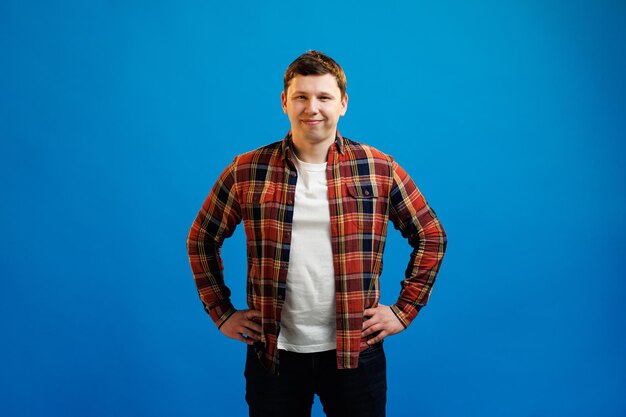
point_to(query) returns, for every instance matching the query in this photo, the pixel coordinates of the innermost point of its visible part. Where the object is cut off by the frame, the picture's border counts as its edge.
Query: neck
(312, 152)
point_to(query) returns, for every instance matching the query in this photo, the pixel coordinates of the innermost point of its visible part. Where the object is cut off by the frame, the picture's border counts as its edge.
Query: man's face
(314, 105)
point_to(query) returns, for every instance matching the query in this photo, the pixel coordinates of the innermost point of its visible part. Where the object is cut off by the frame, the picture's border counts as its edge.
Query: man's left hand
(382, 322)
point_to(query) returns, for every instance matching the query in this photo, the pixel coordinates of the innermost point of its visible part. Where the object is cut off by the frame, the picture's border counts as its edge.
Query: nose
(312, 106)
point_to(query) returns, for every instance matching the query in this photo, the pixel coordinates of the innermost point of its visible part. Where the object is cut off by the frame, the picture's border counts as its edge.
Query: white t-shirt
(308, 316)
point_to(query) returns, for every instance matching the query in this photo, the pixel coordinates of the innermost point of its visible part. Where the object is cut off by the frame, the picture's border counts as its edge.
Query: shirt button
(367, 192)
(293, 174)
(290, 202)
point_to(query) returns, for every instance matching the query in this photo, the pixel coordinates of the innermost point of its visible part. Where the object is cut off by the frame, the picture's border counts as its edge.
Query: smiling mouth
(311, 122)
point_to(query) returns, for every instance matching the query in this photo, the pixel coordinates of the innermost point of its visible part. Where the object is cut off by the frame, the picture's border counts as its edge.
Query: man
(315, 208)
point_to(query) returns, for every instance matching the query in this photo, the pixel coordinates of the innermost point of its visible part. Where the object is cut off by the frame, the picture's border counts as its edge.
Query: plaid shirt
(366, 188)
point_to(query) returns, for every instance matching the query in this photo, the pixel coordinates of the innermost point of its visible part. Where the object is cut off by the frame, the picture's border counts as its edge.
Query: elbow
(443, 236)
(192, 237)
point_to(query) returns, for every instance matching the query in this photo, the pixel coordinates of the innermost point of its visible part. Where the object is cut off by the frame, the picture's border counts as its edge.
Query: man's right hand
(240, 326)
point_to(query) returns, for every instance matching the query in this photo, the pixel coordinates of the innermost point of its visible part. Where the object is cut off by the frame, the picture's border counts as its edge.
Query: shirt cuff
(405, 312)
(220, 312)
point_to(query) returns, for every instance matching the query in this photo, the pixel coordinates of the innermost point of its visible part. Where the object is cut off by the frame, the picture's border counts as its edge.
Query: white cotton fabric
(308, 316)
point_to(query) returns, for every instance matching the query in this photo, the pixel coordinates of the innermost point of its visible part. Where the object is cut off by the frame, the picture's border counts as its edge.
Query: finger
(241, 337)
(246, 340)
(375, 328)
(371, 321)
(246, 334)
(366, 324)
(378, 338)
(250, 338)
(249, 327)
(252, 314)
(369, 312)
(370, 330)
(251, 334)
(373, 340)
(252, 325)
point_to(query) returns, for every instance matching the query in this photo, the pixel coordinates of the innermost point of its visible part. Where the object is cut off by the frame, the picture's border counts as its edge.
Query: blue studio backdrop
(116, 117)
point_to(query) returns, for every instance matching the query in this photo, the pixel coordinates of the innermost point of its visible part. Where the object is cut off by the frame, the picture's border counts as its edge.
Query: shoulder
(259, 155)
(361, 150)
(257, 165)
(363, 161)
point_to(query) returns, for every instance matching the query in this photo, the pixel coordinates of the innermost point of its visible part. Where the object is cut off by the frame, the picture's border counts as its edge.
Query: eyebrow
(321, 93)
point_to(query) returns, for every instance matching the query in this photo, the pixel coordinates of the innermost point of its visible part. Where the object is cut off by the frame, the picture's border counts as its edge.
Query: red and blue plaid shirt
(366, 188)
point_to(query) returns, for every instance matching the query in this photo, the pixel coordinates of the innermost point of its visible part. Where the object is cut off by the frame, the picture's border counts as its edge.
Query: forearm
(206, 267)
(425, 261)
(419, 224)
(215, 222)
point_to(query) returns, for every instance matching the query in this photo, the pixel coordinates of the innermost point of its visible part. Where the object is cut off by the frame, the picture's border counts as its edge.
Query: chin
(318, 137)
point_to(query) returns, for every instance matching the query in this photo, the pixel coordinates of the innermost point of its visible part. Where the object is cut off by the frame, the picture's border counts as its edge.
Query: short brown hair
(316, 63)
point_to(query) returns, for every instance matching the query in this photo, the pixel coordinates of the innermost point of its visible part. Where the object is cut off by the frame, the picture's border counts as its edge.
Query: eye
(325, 98)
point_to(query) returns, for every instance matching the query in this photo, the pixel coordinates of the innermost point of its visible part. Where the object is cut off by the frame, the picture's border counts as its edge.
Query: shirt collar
(287, 144)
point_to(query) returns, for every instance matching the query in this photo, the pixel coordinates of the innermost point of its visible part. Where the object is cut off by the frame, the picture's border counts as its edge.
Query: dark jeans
(360, 392)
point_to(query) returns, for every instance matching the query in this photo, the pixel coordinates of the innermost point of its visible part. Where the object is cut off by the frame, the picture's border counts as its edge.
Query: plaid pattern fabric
(366, 188)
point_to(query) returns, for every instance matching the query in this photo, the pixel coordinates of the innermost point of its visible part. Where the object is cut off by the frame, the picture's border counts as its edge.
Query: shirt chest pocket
(360, 205)
(259, 195)
(260, 203)
(362, 191)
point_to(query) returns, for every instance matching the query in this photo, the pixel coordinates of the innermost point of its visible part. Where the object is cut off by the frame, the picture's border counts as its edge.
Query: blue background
(117, 116)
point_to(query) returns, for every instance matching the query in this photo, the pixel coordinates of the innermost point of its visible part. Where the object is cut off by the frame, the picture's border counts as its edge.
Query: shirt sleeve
(216, 221)
(413, 217)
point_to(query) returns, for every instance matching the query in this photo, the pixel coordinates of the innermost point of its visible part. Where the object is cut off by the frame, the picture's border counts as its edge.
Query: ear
(283, 101)
(344, 104)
